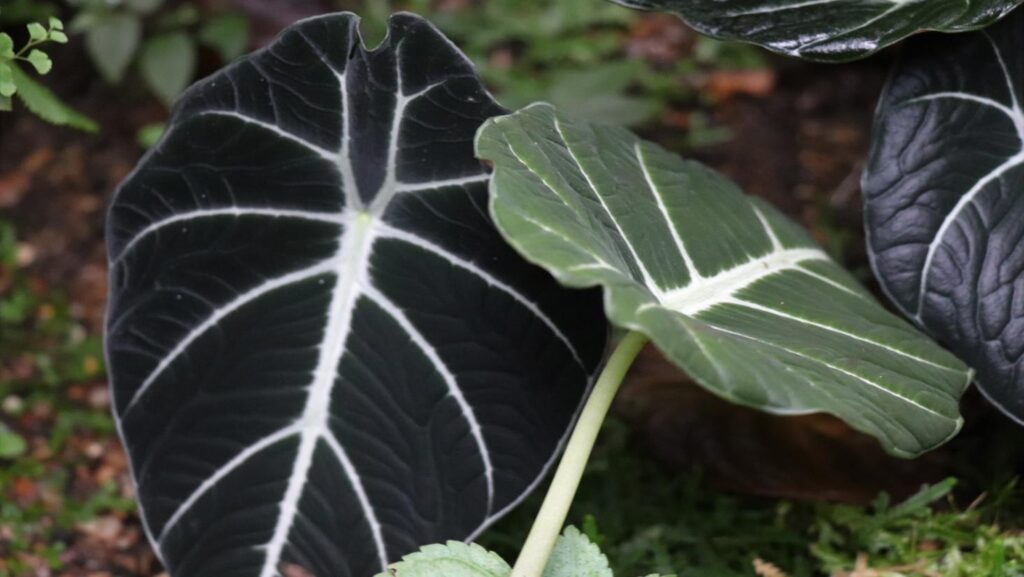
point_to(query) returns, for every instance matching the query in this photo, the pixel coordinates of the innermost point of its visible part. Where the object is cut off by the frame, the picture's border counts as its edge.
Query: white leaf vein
(184, 217)
(1016, 115)
(387, 231)
(840, 370)
(454, 390)
(648, 279)
(220, 313)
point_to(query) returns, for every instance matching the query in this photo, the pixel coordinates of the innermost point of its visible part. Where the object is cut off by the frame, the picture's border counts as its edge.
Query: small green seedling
(14, 81)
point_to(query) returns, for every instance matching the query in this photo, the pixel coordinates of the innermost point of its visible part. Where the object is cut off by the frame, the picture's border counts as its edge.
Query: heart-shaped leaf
(168, 63)
(322, 353)
(727, 287)
(828, 30)
(944, 192)
(111, 41)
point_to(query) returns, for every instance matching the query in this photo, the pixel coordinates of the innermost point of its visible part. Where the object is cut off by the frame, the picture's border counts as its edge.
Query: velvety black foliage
(322, 352)
(944, 189)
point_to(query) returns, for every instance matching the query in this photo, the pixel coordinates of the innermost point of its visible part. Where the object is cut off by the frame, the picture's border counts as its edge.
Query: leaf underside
(728, 288)
(828, 30)
(322, 353)
(944, 192)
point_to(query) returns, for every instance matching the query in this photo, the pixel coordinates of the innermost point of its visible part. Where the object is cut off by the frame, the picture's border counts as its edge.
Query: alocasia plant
(729, 289)
(828, 30)
(944, 209)
(941, 185)
(322, 353)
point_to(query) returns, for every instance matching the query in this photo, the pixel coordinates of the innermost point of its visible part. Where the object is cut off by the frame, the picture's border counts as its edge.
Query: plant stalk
(551, 517)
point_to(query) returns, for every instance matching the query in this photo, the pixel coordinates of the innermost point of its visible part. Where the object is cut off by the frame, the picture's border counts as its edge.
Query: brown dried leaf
(659, 38)
(726, 84)
(766, 569)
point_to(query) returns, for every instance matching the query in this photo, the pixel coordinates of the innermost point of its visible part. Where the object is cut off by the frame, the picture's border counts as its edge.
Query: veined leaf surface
(322, 353)
(727, 287)
(828, 30)
(944, 192)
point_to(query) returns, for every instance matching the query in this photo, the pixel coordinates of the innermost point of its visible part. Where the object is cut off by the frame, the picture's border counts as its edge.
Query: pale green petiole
(551, 518)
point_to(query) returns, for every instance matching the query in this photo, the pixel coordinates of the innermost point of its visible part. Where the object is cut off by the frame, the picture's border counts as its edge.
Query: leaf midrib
(704, 293)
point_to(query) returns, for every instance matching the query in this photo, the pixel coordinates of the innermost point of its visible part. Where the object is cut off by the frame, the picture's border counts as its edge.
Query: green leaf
(6, 46)
(5, 103)
(149, 134)
(227, 34)
(40, 61)
(168, 63)
(58, 37)
(828, 30)
(111, 40)
(185, 15)
(598, 93)
(7, 85)
(36, 32)
(575, 556)
(455, 559)
(727, 287)
(56, 23)
(45, 104)
(11, 444)
(84, 20)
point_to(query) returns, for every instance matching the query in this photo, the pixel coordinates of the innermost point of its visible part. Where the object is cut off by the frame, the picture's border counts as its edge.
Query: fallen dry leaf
(293, 570)
(17, 182)
(766, 569)
(861, 568)
(106, 529)
(660, 39)
(725, 84)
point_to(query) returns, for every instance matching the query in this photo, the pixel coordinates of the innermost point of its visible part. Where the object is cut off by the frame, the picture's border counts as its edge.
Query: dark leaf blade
(944, 203)
(828, 30)
(322, 352)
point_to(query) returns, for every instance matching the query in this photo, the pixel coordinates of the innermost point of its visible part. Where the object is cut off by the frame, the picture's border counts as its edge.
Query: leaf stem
(551, 517)
(20, 55)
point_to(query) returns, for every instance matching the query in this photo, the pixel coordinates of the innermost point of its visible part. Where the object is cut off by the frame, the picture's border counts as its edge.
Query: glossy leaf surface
(944, 192)
(728, 288)
(322, 353)
(829, 30)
